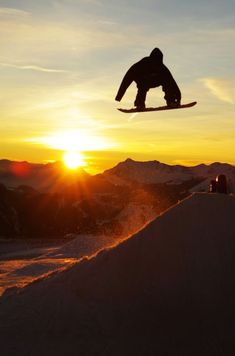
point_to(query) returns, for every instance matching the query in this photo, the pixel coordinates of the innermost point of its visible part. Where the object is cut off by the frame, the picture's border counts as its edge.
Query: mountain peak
(154, 172)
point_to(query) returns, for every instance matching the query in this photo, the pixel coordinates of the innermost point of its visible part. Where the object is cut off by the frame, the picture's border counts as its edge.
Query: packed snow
(168, 290)
(20, 268)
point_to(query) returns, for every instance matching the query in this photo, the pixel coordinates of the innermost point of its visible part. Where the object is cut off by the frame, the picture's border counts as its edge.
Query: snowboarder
(221, 184)
(150, 72)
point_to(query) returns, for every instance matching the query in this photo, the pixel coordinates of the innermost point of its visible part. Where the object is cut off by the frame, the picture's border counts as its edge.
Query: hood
(157, 55)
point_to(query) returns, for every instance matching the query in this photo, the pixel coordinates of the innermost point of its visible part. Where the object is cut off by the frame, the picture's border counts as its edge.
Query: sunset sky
(61, 63)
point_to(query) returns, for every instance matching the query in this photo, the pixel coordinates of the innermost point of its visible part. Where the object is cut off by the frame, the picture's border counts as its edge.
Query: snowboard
(159, 108)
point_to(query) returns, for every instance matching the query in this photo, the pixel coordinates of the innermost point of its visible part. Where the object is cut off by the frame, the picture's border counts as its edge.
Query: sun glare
(70, 144)
(73, 160)
(74, 140)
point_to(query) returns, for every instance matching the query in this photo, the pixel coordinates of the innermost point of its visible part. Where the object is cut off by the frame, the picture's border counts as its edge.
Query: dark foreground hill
(168, 290)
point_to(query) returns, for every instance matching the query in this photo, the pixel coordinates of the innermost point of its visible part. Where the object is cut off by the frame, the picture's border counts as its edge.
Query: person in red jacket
(150, 72)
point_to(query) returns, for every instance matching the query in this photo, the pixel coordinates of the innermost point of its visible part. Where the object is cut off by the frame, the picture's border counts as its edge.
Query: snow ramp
(168, 290)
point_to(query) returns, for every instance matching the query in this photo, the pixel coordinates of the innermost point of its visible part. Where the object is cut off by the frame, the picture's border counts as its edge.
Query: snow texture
(18, 270)
(168, 290)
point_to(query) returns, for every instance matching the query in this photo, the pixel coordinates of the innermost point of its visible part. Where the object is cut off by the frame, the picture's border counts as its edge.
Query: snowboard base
(159, 108)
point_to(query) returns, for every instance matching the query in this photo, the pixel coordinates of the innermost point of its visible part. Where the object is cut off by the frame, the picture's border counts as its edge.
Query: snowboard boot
(173, 103)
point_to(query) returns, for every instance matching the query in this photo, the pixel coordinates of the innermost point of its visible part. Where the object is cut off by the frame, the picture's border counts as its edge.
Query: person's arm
(126, 82)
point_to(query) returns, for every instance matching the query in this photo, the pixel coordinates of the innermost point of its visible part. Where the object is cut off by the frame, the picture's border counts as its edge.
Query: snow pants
(171, 96)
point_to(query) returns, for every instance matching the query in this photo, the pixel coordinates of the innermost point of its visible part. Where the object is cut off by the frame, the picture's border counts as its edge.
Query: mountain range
(43, 200)
(53, 177)
(153, 172)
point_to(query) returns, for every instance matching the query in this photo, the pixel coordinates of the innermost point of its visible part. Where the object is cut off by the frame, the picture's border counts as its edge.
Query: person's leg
(140, 97)
(172, 96)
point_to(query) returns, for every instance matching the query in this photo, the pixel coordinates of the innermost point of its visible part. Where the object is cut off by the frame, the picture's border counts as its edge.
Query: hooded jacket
(150, 72)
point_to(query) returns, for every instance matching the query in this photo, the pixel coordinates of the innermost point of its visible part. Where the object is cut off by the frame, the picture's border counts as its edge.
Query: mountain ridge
(44, 176)
(152, 172)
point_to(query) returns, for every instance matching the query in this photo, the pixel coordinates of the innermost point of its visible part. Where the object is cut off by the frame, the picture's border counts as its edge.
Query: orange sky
(61, 64)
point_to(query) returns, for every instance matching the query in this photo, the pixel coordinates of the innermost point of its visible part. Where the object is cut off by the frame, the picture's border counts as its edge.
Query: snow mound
(168, 290)
(134, 217)
(83, 245)
(20, 272)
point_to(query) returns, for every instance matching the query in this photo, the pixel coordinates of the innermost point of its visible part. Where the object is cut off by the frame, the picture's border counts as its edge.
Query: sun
(73, 159)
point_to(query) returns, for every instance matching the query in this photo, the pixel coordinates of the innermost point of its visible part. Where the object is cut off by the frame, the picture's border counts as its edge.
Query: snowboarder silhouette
(150, 72)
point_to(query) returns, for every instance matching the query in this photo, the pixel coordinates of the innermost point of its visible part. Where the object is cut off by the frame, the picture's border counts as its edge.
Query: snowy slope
(82, 245)
(134, 217)
(168, 290)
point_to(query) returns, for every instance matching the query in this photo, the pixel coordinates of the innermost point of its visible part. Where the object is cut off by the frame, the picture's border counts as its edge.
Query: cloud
(93, 2)
(221, 88)
(39, 38)
(107, 22)
(33, 67)
(9, 11)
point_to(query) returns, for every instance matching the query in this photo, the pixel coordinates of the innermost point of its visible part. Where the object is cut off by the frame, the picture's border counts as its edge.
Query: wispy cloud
(132, 116)
(221, 88)
(93, 2)
(107, 22)
(33, 67)
(9, 11)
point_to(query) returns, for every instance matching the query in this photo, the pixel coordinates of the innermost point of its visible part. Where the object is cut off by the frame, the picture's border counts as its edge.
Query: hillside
(168, 290)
